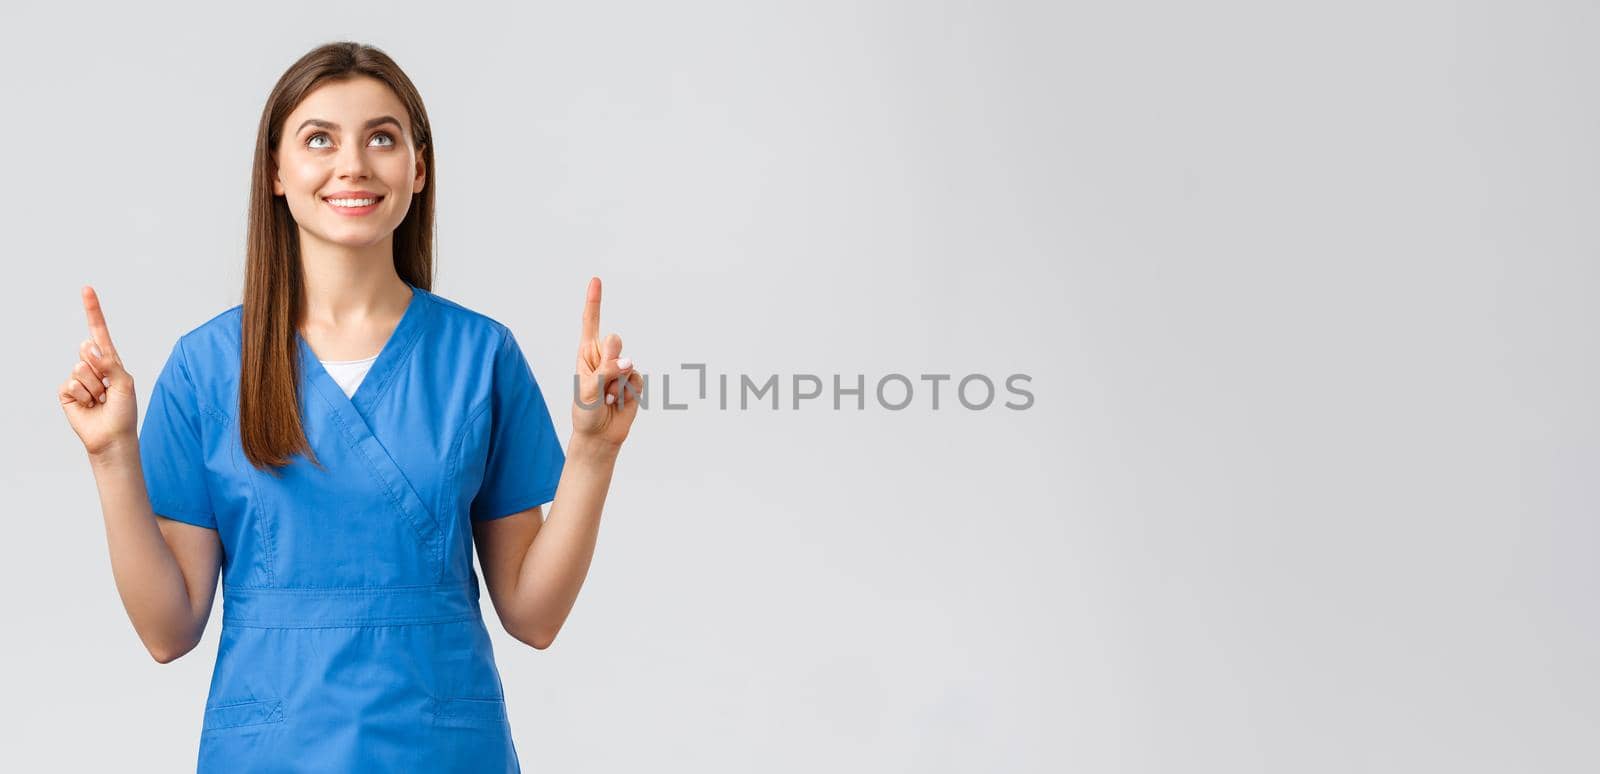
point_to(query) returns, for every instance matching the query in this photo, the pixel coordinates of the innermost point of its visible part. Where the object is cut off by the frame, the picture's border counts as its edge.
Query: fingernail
(96, 351)
(610, 399)
(105, 380)
(624, 363)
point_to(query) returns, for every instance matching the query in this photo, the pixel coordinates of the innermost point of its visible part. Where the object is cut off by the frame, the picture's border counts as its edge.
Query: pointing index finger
(591, 312)
(97, 321)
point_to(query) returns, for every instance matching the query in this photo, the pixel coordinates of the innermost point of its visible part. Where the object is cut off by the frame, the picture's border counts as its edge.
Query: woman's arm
(165, 570)
(534, 567)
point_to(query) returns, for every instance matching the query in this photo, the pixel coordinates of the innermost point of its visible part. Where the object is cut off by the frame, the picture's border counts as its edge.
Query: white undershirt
(348, 373)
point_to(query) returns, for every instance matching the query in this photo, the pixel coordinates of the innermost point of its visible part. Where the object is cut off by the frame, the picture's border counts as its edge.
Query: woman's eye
(321, 140)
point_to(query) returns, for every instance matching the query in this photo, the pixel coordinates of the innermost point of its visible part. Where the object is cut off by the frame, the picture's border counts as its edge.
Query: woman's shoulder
(216, 337)
(204, 362)
(453, 319)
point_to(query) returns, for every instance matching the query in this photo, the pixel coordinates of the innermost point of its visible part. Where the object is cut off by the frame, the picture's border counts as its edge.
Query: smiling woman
(360, 136)
(318, 164)
(341, 507)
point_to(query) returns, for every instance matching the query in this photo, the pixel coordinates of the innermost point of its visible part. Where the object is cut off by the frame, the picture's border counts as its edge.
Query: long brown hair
(269, 367)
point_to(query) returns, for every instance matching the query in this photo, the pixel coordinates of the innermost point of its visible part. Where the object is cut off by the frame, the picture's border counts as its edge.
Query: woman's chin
(353, 239)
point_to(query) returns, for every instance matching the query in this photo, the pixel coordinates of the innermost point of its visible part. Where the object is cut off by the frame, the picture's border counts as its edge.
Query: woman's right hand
(98, 397)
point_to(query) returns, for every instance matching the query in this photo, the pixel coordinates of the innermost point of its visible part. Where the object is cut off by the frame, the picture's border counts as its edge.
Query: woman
(340, 492)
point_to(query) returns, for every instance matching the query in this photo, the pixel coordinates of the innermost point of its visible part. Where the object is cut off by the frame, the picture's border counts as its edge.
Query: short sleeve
(524, 459)
(171, 446)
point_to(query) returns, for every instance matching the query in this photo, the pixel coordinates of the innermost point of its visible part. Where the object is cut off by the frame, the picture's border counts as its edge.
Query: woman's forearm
(557, 561)
(146, 572)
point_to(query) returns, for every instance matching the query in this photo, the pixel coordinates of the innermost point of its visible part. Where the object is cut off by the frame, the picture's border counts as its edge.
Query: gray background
(1305, 290)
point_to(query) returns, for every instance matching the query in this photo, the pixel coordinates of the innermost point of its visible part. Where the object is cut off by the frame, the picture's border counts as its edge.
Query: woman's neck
(352, 284)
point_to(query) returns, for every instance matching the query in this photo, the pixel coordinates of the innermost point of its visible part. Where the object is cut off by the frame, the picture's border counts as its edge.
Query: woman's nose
(352, 162)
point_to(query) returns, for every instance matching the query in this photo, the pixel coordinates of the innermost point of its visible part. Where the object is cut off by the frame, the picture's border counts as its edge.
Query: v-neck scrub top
(352, 637)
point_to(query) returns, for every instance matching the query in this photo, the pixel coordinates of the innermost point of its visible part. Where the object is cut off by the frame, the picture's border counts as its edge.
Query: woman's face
(348, 163)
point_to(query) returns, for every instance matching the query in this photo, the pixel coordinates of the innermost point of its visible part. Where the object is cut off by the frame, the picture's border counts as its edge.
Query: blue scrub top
(352, 638)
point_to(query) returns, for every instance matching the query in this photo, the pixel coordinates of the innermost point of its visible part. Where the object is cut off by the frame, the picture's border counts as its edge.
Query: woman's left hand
(602, 371)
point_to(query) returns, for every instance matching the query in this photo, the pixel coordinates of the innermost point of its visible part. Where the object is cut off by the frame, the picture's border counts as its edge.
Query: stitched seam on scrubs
(415, 333)
(518, 506)
(452, 483)
(259, 516)
(347, 590)
(356, 623)
(273, 714)
(503, 506)
(349, 607)
(209, 509)
(163, 508)
(255, 509)
(372, 470)
(188, 376)
(454, 472)
(475, 708)
(240, 703)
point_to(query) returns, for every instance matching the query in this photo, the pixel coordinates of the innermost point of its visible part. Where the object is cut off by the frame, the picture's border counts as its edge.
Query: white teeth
(352, 202)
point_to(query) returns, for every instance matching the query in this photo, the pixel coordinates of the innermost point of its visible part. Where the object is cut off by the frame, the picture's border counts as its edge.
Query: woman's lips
(354, 211)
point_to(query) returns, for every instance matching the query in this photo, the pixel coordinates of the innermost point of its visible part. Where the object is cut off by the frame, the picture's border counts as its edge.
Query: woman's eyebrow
(321, 124)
